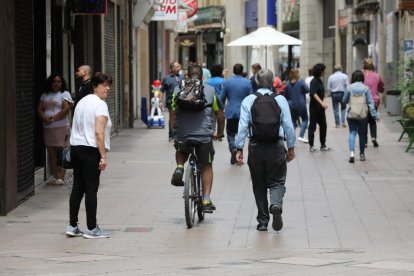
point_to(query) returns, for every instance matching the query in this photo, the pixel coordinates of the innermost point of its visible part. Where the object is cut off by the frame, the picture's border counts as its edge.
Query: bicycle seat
(192, 143)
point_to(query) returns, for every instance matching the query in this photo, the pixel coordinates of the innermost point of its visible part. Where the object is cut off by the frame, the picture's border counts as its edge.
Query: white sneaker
(96, 233)
(303, 140)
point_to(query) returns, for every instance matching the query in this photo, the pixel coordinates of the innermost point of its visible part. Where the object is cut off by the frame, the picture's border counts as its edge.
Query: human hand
(217, 136)
(239, 158)
(102, 164)
(325, 106)
(47, 120)
(290, 155)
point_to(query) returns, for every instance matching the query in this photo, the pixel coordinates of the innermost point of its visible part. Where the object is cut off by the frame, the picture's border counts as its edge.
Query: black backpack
(265, 118)
(191, 96)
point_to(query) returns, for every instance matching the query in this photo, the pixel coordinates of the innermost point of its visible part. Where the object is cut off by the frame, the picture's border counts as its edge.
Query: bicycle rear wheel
(190, 206)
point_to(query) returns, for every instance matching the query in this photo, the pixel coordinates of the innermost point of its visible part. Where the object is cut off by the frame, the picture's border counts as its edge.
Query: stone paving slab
(339, 218)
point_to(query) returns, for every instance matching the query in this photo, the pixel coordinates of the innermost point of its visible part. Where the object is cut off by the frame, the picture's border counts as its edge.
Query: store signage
(166, 10)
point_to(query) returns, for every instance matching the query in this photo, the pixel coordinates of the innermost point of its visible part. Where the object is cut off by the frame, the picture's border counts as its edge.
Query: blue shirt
(235, 89)
(217, 83)
(338, 82)
(169, 83)
(295, 93)
(358, 88)
(286, 125)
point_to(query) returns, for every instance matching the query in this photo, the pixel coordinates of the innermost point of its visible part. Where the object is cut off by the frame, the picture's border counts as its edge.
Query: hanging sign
(166, 10)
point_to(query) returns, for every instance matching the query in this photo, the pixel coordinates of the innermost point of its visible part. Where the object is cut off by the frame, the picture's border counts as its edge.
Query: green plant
(405, 83)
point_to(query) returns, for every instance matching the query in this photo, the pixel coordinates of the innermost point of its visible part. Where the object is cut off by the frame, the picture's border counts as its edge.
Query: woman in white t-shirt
(90, 140)
(53, 108)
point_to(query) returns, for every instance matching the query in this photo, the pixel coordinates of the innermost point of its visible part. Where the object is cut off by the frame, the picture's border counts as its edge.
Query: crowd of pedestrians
(261, 108)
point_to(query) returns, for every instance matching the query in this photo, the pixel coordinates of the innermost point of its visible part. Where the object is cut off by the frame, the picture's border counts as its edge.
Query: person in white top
(53, 108)
(90, 140)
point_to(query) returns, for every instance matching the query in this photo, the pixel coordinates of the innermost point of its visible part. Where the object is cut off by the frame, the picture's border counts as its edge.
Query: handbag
(64, 158)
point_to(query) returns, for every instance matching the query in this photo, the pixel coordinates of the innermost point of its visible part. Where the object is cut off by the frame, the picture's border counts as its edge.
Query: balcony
(210, 17)
(366, 6)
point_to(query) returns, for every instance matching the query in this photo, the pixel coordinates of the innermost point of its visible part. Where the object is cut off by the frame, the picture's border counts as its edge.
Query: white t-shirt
(52, 104)
(83, 126)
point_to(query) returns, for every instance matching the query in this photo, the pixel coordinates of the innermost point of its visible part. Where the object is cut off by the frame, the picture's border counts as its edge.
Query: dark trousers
(86, 181)
(170, 134)
(317, 116)
(372, 125)
(267, 165)
(232, 127)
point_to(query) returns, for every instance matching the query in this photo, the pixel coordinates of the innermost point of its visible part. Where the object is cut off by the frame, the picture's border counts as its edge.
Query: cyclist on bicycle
(197, 126)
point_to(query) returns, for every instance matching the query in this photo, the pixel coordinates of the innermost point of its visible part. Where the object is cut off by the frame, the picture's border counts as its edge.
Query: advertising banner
(166, 10)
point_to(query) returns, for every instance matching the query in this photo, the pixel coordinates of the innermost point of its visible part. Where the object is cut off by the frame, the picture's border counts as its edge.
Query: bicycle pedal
(208, 211)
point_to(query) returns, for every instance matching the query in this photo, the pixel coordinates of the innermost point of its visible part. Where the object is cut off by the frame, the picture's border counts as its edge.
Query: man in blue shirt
(235, 89)
(169, 83)
(337, 84)
(267, 161)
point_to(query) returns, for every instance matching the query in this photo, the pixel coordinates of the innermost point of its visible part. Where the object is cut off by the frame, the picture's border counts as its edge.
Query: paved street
(339, 218)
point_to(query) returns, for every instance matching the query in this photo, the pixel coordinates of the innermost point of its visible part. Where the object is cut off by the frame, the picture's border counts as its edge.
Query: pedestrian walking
(295, 93)
(337, 84)
(255, 68)
(216, 79)
(374, 82)
(267, 155)
(53, 108)
(235, 89)
(84, 73)
(169, 83)
(206, 72)
(361, 105)
(317, 108)
(90, 140)
(198, 125)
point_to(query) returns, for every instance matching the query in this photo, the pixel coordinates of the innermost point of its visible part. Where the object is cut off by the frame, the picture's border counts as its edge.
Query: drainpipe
(131, 63)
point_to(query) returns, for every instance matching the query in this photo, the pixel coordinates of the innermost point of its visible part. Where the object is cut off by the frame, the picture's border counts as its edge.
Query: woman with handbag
(360, 105)
(90, 140)
(53, 108)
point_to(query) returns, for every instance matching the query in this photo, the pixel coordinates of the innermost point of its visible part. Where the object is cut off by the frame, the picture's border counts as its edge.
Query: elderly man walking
(265, 118)
(338, 83)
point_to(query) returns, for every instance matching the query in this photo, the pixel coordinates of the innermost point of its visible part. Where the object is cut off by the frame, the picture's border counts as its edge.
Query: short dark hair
(100, 78)
(357, 75)
(49, 80)
(238, 69)
(195, 71)
(318, 69)
(216, 70)
(172, 64)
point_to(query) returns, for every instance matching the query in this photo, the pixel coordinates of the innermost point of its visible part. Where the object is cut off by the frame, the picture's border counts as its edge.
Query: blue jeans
(301, 112)
(360, 127)
(336, 100)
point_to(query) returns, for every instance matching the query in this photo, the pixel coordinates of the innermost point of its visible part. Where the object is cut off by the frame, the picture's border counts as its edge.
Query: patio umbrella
(265, 36)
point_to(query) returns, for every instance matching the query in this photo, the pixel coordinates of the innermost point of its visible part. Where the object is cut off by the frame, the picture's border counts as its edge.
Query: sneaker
(375, 143)
(73, 231)
(325, 148)
(362, 157)
(352, 159)
(337, 126)
(313, 149)
(303, 140)
(96, 233)
(233, 157)
(59, 182)
(208, 206)
(277, 222)
(343, 125)
(177, 177)
(261, 227)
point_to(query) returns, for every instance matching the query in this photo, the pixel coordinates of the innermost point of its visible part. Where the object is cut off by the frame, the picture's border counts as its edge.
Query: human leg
(54, 169)
(256, 162)
(312, 125)
(335, 102)
(322, 128)
(181, 156)
(362, 133)
(343, 110)
(78, 188)
(304, 116)
(276, 173)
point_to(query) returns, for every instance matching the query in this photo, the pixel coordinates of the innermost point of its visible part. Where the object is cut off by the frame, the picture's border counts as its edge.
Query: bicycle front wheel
(190, 206)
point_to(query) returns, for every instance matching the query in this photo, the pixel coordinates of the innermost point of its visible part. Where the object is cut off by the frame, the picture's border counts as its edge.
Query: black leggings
(86, 181)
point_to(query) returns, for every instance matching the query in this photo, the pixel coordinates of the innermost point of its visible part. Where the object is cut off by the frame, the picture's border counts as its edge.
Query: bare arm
(63, 113)
(220, 124)
(100, 123)
(41, 113)
(316, 97)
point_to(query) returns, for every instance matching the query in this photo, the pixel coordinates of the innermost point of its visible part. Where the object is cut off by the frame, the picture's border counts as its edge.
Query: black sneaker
(277, 222)
(362, 157)
(325, 148)
(233, 157)
(208, 206)
(352, 159)
(261, 227)
(375, 143)
(177, 177)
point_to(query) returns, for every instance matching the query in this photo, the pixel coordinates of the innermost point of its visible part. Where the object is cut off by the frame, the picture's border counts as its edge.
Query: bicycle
(193, 193)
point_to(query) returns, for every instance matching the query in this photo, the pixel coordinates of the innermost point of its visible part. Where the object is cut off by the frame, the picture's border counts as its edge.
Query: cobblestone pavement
(339, 218)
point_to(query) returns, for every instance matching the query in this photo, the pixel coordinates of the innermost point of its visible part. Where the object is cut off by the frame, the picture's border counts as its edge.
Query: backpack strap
(258, 95)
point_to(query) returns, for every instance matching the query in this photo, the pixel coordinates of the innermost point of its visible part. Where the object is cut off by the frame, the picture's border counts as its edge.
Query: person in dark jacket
(84, 72)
